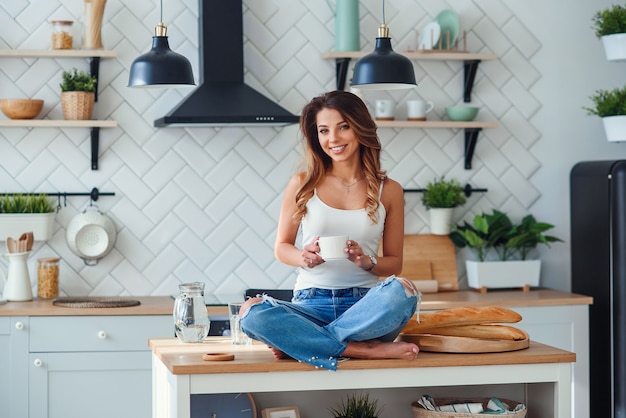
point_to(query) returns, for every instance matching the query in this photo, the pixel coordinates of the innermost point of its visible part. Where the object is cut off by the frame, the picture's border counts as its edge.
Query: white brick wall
(201, 203)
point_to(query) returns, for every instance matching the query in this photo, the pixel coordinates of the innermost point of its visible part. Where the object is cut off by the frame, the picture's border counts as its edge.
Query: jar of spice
(62, 34)
(48, 277)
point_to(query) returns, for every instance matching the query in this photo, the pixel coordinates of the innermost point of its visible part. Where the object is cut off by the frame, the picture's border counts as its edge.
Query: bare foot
(278, 355)
(378, 350)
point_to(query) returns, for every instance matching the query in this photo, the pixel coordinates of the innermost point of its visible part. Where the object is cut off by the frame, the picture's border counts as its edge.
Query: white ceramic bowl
(91, 235)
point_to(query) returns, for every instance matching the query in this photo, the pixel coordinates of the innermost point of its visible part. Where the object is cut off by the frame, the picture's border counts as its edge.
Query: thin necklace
(347, 186)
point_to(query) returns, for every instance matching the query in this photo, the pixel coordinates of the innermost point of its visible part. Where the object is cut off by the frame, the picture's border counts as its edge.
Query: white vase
(15, 224)
(440, 220)
(615, 128)
(615, 46)
(503, 274)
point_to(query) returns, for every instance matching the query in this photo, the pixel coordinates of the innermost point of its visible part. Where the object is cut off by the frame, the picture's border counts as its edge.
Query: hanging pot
(91, 235)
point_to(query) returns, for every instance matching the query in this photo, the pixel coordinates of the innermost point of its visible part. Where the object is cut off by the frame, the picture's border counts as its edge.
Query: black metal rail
(94, 195)
(467, 190)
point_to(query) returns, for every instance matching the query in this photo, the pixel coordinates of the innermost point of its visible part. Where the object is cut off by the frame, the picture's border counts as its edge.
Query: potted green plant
(26, 213)
(77, 94)
(512, 244)
(357, 406)
(610, 105)
(610, 26)
(440, 198)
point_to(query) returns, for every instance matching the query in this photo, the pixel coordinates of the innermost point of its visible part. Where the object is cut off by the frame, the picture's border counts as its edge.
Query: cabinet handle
(38, 362)
(19, 325)
(102, 334)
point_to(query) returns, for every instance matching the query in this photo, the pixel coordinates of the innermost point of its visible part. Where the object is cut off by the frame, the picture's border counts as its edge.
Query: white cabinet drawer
(97, 333)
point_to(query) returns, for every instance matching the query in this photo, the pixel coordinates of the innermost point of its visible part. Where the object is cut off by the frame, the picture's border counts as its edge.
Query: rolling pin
(426, 286)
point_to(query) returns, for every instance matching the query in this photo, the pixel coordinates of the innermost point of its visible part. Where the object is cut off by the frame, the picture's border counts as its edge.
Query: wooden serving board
(448, 344)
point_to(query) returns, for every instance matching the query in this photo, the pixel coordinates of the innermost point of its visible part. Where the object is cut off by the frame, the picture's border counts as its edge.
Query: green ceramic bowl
(461, 113)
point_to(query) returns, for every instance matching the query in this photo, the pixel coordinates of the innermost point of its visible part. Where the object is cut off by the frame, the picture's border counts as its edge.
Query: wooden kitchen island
(178, 371)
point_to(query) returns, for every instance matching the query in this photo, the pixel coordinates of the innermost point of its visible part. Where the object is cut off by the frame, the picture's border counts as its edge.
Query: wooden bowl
(21, 108)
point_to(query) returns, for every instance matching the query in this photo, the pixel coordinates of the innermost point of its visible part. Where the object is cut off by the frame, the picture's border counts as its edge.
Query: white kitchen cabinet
(78, 366)
(5, 366)
(565, 327)
(96, 366)
(13, 366)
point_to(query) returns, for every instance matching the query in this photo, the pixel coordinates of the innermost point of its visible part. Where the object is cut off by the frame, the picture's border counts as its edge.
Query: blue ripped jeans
(316, 326)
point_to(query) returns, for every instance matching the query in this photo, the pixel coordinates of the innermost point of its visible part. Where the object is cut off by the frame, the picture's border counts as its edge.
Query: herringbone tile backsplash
(202, 203)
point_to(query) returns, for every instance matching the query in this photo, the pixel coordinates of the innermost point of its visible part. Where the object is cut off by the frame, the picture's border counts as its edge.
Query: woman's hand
(310, 258)
(357, 256)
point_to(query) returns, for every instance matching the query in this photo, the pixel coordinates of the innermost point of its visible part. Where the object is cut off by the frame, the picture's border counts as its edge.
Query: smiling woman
(340, 307)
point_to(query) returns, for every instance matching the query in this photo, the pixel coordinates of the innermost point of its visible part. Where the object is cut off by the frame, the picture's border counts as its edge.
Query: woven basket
(77, 105)
(419, 412)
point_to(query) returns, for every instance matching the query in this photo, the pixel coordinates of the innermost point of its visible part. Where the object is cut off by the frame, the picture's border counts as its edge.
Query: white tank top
(323, 220)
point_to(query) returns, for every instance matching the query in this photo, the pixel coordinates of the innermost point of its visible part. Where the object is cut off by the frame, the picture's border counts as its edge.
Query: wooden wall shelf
(470, 66)
(94, 56)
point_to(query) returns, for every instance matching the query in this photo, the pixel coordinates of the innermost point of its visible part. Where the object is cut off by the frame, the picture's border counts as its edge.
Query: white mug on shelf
(384, 109)
(418, 109)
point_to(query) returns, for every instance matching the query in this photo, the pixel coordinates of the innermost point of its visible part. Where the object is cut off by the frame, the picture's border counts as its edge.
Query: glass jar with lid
(48, 277)
(62, 34)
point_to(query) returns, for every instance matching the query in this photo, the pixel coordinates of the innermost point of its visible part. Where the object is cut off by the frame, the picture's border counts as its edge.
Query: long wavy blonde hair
(317, 162)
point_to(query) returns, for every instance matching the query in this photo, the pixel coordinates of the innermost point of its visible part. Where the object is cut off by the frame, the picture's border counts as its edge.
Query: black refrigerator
(598, 243)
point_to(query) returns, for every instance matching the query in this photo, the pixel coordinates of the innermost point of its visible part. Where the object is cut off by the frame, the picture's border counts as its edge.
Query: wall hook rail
(94, 195)
(467, 190)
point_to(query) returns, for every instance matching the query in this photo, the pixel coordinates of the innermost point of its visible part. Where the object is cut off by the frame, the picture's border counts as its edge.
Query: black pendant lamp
(383, 69)
(160, 67)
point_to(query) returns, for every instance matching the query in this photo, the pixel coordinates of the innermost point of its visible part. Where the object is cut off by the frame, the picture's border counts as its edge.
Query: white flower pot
(503, 274)
(15, 224)
(615, 46)
(440, 220)
(615, 128)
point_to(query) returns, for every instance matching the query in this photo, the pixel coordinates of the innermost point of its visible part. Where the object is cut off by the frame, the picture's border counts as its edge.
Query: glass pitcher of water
(191, 318)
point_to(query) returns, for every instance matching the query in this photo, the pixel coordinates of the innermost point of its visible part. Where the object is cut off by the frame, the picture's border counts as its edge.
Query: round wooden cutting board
(448, 344)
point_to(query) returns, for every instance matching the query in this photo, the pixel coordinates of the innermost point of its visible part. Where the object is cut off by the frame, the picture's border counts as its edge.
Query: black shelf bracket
(95, 146)
(471, 136)
(467, 190)
(341, 72)
(94, 70)
(469, 72)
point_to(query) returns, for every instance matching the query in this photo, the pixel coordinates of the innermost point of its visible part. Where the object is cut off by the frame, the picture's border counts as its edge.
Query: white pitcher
(17, 287)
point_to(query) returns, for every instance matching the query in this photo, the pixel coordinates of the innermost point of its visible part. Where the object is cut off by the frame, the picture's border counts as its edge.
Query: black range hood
(222, 98)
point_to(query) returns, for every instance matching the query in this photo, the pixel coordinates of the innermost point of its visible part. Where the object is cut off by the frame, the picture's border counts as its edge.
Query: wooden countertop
(508, 298)
(163, 305)
(148, 305)
(185, 358)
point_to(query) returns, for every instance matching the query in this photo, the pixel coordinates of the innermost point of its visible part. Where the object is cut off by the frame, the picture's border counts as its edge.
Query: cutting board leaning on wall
(430, 261)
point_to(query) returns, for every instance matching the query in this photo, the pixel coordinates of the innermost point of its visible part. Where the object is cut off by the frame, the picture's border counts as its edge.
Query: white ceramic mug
(418, 109)
(385, 109)
(333, 247)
